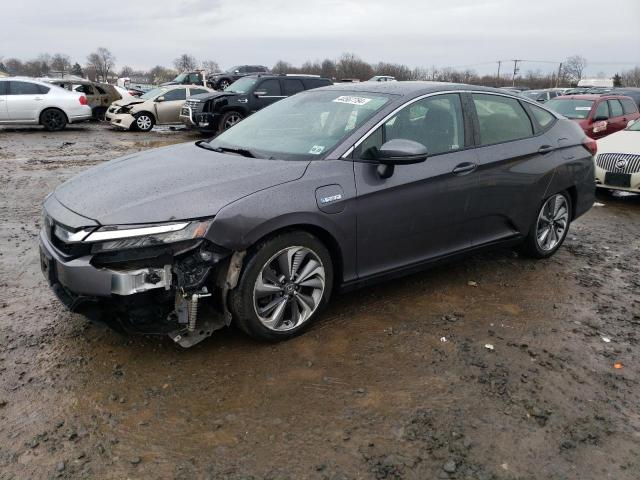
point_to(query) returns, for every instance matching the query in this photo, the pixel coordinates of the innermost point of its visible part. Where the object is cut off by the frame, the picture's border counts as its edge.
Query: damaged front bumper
(178, 289)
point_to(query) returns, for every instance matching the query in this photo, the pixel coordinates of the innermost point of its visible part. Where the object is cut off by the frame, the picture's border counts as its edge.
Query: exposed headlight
(119, 238)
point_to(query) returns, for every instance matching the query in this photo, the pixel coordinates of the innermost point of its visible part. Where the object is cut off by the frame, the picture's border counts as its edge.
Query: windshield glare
(153, 93)
(241, 86)
(571, 108)
(304, 126)
(180, 78)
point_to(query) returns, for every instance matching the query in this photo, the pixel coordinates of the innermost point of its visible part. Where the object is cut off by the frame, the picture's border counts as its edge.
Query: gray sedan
(328, 190)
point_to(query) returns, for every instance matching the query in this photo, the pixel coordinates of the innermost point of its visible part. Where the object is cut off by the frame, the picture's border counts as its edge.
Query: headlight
(118, 238)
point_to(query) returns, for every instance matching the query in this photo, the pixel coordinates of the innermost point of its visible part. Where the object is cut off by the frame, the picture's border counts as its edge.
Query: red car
(598, 115)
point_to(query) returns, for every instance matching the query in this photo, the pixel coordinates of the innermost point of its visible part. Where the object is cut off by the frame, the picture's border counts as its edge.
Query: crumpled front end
(153, 279)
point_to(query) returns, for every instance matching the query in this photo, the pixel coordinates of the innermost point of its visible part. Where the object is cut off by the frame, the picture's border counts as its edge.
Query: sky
(420, 33)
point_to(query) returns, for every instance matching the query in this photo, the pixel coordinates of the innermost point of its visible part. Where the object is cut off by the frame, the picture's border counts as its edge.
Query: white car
(32, 102)
(618, 160)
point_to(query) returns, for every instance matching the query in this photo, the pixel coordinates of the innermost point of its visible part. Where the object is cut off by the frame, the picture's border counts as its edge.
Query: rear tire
(222, 84)
(550, 227)
(144, 122)
(53, 119)
(285, 283)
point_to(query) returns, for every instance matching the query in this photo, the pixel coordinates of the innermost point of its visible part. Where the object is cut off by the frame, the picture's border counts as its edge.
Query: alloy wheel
(53, 119)
(289, 288)
(552, 222)
(224, 84)
(231, 121)
(143, 122)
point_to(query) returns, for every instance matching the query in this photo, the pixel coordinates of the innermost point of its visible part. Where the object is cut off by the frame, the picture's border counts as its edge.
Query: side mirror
(600, 118)
(259, 93)
(160, 98)
(399, 152)
(236, 71)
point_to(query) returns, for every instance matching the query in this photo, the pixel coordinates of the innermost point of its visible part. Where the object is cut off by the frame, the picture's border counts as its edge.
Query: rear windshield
(570, 107)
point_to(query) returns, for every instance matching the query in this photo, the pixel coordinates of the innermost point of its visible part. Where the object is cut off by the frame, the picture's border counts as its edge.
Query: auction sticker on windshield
(316, 150)
(352, 100)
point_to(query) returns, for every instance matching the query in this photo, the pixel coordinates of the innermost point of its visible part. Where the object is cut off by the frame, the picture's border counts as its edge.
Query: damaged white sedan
(156, 107)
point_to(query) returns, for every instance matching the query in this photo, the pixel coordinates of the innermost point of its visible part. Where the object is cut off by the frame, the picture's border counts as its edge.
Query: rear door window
(177, 94)
(3, 88)
(292, 86)
(616, 108)
(26, 88)
(543, 118)
(196, 91)
(501, 119)
(602, 111)
(271, 87)
(629, 106)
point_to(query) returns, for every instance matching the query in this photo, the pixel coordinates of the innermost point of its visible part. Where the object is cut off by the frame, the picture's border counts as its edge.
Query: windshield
(634, 127)
(304, 126)
(241, 86)
(531, 94)
(153, 93)
(180, 78)
(570, 107)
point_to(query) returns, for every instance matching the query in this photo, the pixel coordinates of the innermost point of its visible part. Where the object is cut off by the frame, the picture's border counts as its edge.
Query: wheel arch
(153, 115)
(52, 108)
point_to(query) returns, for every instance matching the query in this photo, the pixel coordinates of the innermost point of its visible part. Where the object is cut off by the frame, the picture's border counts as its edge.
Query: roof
(412, 88)
(589, 96)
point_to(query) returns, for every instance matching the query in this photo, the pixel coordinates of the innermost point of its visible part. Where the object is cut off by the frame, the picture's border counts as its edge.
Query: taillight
(83, 100)
(591, 145)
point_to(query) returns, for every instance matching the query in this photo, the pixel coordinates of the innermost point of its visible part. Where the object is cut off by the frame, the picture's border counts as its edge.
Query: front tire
(224, 83)
(285, 284)
(228, 120)
(144, 122)
(550, 227)
(53, 120)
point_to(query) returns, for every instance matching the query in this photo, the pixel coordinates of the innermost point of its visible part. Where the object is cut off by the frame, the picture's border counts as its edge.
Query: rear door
(617, 120)
(513, 161)
(599, 120)
(291, 86)
(24, 100)
(4, 114)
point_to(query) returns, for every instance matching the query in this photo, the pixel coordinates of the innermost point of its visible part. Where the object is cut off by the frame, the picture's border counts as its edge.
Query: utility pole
(515, 72)
(498, 80)
(559, 73)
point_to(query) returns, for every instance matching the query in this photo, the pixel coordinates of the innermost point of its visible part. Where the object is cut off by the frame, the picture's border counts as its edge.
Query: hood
(179, 182)
(211, 95)
(130, 100)
(625, 141)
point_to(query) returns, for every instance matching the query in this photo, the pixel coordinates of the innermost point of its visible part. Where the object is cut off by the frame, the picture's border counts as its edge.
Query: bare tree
(573, 68)
(211, 66)
(101, 61)
(185, 62)
(126, 71)
(400, 72)
(282, 67)
(61, 63)
(630, 78)
(352, 66)
(159, 74)
(328, 69)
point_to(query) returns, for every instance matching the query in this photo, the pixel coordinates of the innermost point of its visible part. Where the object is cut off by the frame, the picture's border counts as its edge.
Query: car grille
(619, 162)
(194, 106)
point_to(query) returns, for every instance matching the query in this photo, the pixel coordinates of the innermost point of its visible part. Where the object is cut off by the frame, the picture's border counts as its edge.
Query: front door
(267, 92)
(420, 211)
(617, 120)
(168, 111)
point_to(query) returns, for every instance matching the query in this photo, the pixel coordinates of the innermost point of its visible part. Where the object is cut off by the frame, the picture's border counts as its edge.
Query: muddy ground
(395, 381)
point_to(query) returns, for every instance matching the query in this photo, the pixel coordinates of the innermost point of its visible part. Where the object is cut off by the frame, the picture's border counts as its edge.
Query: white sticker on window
(352, 100)
(586, 109)
(316, 150)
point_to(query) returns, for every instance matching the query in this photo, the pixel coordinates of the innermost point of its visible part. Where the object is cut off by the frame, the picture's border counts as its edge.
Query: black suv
(217, 111)
(220, 81)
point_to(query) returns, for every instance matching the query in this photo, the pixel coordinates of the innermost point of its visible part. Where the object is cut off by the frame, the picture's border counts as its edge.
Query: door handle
(38, 99)
(545, 149)
(464, 168)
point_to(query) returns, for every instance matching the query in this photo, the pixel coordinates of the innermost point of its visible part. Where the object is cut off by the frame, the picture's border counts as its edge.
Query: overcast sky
(144, 33)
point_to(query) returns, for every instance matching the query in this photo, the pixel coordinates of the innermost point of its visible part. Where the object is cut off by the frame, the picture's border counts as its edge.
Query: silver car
(158, 106)
(32, 102)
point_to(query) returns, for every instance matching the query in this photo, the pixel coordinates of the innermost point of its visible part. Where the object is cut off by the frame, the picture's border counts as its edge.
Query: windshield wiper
(240, 151)
(204, 144)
